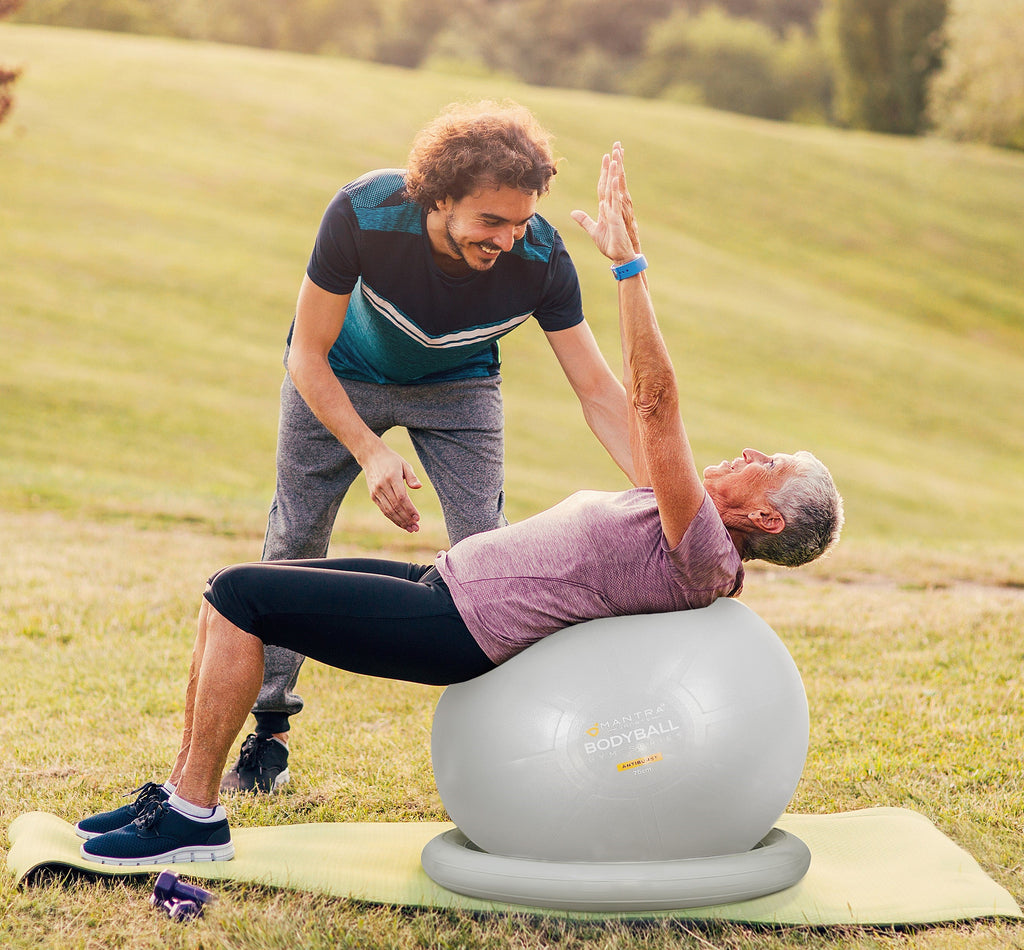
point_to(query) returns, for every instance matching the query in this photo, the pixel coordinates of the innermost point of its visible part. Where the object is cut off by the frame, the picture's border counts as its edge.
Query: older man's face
(746, 480)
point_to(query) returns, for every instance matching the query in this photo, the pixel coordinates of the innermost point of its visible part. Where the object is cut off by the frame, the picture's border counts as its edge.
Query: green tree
(884, 52)
(406, 30)
(308, 26)
(735, 64)
(119, 16)
(780, 15)
(580, 43)
(978, 95)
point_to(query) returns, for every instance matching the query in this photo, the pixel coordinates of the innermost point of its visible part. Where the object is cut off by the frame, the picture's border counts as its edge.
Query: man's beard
(457, 251)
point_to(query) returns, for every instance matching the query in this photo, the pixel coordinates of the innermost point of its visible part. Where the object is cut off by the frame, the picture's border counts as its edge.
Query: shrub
(978, 95)
(734, 64)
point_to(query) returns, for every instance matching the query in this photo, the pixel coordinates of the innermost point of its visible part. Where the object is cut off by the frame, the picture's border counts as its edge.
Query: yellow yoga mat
(879, 866)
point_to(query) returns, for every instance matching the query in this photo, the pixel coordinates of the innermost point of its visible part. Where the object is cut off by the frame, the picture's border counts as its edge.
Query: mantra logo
(627, 730)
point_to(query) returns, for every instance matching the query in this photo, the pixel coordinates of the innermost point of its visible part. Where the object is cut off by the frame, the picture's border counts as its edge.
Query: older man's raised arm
(662, 457)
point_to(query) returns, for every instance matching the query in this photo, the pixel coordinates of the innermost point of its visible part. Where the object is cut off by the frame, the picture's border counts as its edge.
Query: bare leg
(224, 680)
(190, 690)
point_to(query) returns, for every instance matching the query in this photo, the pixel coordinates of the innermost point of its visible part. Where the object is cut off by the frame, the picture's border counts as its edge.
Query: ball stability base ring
(778, 861)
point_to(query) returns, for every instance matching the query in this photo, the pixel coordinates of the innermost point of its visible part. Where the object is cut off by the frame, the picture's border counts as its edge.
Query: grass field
(857, 295)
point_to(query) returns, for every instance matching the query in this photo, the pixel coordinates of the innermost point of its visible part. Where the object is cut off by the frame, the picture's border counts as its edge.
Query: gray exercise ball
(641, 738)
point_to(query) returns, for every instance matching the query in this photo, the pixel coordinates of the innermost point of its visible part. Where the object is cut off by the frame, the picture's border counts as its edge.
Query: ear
(768, 520)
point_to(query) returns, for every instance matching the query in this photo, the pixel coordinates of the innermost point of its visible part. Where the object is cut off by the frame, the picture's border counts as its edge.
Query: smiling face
(740, 488)
(470, 234)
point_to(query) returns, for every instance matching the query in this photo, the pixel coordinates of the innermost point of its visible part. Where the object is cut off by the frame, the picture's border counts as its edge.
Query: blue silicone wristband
(630, 268)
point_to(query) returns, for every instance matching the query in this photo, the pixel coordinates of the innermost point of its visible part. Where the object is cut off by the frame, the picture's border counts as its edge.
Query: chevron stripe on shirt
(408, 321)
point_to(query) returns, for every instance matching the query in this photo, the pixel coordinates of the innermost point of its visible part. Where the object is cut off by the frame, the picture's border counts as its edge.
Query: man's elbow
(302, 354)
(655, 397)
(296, 364)
(302, 366)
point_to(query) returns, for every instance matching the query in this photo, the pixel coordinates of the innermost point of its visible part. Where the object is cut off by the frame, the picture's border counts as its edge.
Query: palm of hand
(614, 232)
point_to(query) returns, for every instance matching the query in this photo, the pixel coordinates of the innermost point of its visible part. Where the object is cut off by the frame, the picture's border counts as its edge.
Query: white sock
(169, 788)
(195, 812)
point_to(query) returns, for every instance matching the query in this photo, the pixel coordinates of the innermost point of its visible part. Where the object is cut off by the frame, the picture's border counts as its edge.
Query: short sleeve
(561, 305)
(706, 560)
(334, 264)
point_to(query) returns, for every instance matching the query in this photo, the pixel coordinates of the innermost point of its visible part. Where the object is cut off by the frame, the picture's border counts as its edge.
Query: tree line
(898, 66)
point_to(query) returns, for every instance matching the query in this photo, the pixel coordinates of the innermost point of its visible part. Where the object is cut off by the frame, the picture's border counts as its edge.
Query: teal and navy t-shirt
(407, 320)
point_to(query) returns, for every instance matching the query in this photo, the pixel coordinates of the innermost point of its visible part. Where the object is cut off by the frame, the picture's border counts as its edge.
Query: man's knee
(229, 593)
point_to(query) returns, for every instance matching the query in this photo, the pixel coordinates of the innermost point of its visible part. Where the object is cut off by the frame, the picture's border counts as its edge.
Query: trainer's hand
(387, 476)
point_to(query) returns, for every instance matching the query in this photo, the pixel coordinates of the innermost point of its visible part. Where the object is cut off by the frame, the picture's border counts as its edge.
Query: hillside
(858, 295)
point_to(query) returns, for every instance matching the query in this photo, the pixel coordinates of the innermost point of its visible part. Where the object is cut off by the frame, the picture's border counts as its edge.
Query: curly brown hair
(473, 144)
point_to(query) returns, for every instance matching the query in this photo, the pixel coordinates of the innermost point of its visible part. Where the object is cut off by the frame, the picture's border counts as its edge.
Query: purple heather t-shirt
(596, 554)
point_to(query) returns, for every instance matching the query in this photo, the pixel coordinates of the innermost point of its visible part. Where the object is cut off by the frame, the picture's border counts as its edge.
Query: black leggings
(381, 618)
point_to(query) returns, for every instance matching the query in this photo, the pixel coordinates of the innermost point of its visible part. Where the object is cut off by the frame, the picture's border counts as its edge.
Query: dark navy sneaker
(262, 766)
(161, 835)
(112, 820)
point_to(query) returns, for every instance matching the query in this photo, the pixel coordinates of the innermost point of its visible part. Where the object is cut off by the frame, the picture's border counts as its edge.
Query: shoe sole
(230, 786)
(93, 834)
(194, 854)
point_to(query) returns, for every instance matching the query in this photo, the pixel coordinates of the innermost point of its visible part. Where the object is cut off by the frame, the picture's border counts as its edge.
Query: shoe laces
(250, 756)
(144, 793)
(150, 813)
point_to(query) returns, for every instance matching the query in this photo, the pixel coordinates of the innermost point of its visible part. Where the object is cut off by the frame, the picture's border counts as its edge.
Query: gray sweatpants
(457, 430)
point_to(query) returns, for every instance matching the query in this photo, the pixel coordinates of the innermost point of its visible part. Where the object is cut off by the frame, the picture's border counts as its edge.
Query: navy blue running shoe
(112, 820)
(161, 835)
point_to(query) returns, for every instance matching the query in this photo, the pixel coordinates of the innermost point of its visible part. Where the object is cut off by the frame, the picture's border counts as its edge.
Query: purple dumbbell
(179, 900)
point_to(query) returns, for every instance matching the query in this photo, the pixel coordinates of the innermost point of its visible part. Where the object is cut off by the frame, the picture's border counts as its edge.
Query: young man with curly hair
(414, 276)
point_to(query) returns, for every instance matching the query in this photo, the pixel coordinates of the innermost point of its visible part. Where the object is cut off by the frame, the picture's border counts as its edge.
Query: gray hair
(813, 511)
